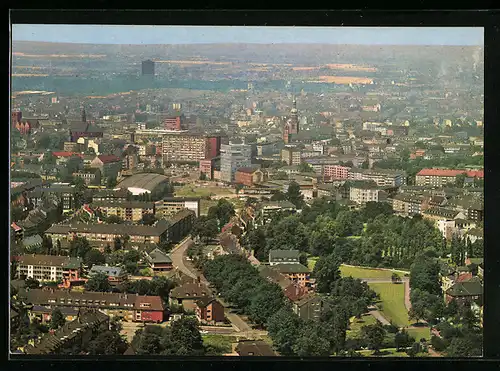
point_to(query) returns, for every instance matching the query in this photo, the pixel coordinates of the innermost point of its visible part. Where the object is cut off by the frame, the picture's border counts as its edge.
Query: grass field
(419, 333)
(360, 272)
(191, 190)
(220, 342)
(392, 302)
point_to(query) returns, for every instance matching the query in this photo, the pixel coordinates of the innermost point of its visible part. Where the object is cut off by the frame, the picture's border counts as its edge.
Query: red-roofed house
(149, 309)
(441, 177)
(17, 232)
(63, 157)
(109, 165)
(248, 176)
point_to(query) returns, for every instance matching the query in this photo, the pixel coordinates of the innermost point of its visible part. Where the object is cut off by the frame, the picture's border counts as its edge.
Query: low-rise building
(171, 205)
(116, 275)
(158, 260)
(361, 193)
(188, 293)
(109, 165)
(89, 176)
(381, 177)
(134, 308)
(249, 176)
(308, 307)
(284, 256)
(295, 272)
(126, 210)
(266, 210)
(441, 177)
(209, 310)
(49, 267)
(291, 156)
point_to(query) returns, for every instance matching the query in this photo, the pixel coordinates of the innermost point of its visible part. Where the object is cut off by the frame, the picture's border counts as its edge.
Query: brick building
(49, 267)
(248, 176)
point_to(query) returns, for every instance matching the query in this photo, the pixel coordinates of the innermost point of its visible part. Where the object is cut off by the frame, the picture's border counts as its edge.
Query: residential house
(249, 176)
(295, 272)
(114, 195)
(44, 313)
(467, 291)
(209, 311)
(126, 210)
(266, 210)
(187, 293)
(284, 256)
(407, 205)
(116, 275)
(292, 290)
(441, 177)
(474, 234)
(158, 260)
(49, 267)
(32, 242)
(91, 177)
(440, 213)
(172, 205)
(308, 307)
(79, 331)
(109, 165)
(134, 308)
(362, 192)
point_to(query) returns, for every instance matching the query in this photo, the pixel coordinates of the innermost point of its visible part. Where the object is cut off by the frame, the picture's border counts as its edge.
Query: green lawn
(419, 333)
(220, 342)
(191, 190)
(392, 302)
(360, 272)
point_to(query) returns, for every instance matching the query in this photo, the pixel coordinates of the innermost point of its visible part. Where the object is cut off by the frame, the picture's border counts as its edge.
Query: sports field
(361, 272)
(392, 302)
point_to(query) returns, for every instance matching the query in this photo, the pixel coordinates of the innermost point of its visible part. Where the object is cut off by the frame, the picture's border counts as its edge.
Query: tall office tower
(234, 156)
(148, 68)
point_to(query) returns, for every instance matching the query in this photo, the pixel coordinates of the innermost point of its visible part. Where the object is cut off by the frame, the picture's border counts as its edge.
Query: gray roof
(118, 229)
(147, 181)
(158, 256)
(33, 240)
(290, 268)
(284, 254)
(125, 204)
(109, 271)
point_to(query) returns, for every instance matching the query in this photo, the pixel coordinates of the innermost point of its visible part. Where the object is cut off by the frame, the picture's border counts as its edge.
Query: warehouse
(144, 183)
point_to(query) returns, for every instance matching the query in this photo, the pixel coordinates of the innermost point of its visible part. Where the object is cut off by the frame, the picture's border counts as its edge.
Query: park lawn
(220, 342)
(387, 352)
(419, 333)
(360, 272)
(392, 302)
(190, 190)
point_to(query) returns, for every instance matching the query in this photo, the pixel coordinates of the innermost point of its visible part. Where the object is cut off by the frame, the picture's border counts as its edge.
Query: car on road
(203, 332)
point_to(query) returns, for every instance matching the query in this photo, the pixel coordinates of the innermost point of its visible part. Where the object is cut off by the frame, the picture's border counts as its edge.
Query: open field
(189, 190)
(392, 302)
(220, 342)
(205, 205)
(345, 80)
(360, 272)
(350, 67)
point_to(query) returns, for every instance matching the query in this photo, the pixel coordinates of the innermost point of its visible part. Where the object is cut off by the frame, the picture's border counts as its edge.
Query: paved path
(178, 257)
(407, 295)
(379, 317)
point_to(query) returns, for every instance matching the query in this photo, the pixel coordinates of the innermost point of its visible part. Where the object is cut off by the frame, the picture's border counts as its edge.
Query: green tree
(79, 247)
(223, 211)
(403, 340)
(395, 278)
(283, 328)
(31, 283)
(111, 182)
(113, 219)
(304, 167)
(57, 319)
(294, 195)
(94, 257)
(312, 341)
(98, 282)
(326, 271)
(278, 196)
(148, 219)
(203, 176)
(118, 243)
(374, 336)
(108, 343)
(186, 335)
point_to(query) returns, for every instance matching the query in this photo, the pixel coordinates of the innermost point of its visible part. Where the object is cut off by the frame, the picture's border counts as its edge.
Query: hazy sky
(114, 34)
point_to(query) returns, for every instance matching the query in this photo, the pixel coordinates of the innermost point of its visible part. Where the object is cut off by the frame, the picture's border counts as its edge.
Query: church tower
(84, 115)
(294, 118)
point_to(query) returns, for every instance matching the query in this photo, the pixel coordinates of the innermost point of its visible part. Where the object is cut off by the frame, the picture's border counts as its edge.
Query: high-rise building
(148, 68)
(233, 157)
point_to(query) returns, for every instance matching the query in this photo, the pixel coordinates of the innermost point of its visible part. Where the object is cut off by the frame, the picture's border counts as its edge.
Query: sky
(130, 34)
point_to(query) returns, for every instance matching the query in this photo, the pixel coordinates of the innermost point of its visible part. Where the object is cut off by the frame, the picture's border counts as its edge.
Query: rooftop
(450, 173)
(290, 268)
(147, 181)
(50, 260)
(288, 254)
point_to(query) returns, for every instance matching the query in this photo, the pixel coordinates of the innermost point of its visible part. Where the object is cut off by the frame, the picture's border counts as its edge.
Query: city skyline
(133, 34)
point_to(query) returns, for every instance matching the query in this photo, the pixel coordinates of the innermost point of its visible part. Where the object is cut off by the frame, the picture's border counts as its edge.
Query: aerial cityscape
(246, 191)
